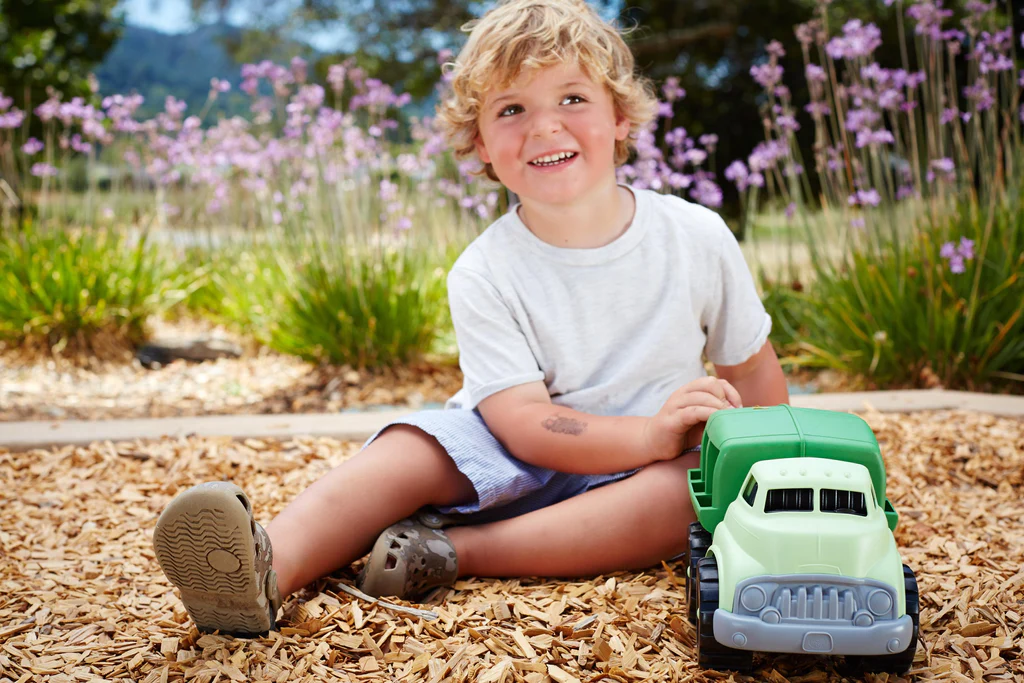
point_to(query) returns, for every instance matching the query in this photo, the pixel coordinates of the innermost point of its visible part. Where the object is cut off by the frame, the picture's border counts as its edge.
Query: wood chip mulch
(82, 598)
(34, 386)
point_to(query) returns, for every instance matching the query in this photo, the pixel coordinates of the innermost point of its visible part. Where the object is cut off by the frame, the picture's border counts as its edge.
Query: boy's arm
(536, 431)
(759, 379)
(559, 438)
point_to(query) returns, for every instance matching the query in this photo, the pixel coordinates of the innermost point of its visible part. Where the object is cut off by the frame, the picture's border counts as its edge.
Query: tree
(53, 43)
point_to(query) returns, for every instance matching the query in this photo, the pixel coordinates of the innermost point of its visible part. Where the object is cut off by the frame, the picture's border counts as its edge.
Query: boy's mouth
(553, 159)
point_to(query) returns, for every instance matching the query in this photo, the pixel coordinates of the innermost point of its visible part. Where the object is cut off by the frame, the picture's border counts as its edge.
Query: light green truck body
(801, 530)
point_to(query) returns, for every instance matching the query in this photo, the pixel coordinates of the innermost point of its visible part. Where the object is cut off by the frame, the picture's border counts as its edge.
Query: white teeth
(552, 158)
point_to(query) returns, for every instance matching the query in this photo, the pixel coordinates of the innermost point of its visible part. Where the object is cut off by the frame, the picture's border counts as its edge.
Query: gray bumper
(821, 637)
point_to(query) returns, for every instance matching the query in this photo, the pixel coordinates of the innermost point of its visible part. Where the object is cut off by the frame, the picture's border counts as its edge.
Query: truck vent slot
(816, 602)
(789, 500)
(844, 502)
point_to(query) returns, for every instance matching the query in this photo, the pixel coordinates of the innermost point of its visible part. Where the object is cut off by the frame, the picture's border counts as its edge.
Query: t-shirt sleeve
(734, 318)
(493, 351)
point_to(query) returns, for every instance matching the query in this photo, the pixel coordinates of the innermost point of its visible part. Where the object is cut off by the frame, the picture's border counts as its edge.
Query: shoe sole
(204, 544)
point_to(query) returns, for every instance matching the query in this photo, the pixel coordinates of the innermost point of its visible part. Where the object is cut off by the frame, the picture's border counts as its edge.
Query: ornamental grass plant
(912, 213)
(90, 290)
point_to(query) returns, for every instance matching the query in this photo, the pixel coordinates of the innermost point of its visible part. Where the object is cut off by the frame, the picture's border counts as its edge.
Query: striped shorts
(505, 486)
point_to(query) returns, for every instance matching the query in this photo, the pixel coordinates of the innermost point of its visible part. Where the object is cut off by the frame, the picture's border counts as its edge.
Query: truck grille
(815, 597)
(816, 602)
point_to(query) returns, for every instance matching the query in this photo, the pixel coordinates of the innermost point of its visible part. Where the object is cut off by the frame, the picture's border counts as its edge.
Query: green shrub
(901, 315)
(69, 286)
(366, 306)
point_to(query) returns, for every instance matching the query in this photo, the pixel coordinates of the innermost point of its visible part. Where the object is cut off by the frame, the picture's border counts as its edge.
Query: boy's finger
(701, 399)
(691, 415)
(731, 394)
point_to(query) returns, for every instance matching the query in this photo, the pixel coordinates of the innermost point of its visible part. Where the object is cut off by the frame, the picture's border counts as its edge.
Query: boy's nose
(545, 124)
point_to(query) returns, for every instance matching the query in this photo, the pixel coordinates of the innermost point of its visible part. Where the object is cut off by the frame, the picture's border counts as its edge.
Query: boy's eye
(509, 110)
(578, 98)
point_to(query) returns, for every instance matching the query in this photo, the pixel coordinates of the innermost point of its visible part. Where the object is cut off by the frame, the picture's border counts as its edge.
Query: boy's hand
(665, 434)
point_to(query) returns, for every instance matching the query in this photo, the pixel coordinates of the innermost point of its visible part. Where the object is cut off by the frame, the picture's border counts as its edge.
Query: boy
(580, 315)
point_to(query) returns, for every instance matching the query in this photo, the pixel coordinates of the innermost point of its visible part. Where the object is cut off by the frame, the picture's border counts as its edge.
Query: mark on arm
(564, 425)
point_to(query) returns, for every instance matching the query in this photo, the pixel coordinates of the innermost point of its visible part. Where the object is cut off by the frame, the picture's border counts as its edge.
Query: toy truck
(793, 549)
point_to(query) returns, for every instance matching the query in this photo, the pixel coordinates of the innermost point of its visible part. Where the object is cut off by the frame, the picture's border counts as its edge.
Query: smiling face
(550, 136)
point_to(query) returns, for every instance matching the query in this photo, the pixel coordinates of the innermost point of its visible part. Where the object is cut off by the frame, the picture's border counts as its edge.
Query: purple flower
(5, 102)
(857, 40)
(874, 137)
(32, 146)
(706, 192)
(945, 165)
(12, 119)
(671, 89)
(790, 210)
(767, 75)
(807, 32)
(815, 73)
(966, 248)
(788, 123)
(857, 223)
(43, 170)
(861, 119)
(665, 110)
(775, 49)
(868, 197)
(956, 264)
(708, 141)
(818, 109)
(336, 76)
(929, 17)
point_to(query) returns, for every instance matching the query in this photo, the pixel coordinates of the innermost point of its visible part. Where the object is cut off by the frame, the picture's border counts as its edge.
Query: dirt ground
(82, 598)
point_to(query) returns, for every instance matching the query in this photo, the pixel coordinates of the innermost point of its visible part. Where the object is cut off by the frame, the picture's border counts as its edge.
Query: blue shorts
(505, 486)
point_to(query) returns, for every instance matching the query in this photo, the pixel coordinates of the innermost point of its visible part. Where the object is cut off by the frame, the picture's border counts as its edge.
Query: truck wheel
(899, 662)
(710, 653)
(700, 541)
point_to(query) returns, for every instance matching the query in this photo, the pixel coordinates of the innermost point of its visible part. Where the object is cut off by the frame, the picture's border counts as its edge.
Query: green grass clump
(71, 287)
(329, 301)
(900, 314)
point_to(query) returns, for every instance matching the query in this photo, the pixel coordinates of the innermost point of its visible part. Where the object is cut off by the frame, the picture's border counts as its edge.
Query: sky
(168, 16)
(175, 16)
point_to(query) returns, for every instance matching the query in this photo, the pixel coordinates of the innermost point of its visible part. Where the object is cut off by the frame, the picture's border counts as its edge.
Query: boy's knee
(419, 453)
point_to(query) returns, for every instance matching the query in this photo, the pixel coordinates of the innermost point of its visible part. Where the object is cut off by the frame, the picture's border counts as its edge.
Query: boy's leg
(232, 573)
(336, 520)
(633, 523)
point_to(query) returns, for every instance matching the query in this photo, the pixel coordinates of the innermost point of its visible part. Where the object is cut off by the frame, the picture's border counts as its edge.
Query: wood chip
(82, 599)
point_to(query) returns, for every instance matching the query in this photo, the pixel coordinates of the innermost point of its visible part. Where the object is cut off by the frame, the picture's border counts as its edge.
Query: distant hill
(156, 65)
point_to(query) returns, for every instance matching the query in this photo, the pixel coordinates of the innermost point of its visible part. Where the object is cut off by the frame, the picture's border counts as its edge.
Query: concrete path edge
(21, 436)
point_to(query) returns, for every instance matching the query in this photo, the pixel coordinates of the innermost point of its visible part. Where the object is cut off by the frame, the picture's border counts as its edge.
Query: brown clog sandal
(408, 559)
(211, 548)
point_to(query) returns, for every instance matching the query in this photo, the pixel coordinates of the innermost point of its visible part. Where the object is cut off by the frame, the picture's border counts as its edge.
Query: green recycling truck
(793, 549)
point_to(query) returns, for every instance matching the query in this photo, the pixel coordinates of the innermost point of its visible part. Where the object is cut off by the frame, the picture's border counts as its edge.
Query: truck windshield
(789, 500)
(843, 502)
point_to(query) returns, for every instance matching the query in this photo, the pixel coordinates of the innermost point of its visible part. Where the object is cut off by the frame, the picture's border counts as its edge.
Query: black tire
(899, 662)
(700, 541)
(710, 653)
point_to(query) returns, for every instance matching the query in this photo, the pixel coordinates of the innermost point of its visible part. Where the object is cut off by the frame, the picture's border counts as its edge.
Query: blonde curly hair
(521, 36)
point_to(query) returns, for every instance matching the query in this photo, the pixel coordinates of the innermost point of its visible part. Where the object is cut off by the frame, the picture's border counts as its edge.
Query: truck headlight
(879, 602)
(753, 598)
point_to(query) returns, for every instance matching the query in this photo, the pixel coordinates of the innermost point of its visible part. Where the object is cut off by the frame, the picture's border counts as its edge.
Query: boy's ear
(621, 127)
(481, 150)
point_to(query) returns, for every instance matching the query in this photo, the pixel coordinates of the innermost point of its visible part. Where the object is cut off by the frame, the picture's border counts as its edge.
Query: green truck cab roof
(736, 439)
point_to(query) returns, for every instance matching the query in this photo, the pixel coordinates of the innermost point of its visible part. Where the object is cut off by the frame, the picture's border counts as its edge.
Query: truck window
(789, 500)
(843, 502)
(750, 491)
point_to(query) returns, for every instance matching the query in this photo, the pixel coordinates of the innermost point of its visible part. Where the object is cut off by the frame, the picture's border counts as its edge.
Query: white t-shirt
(612, 330)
